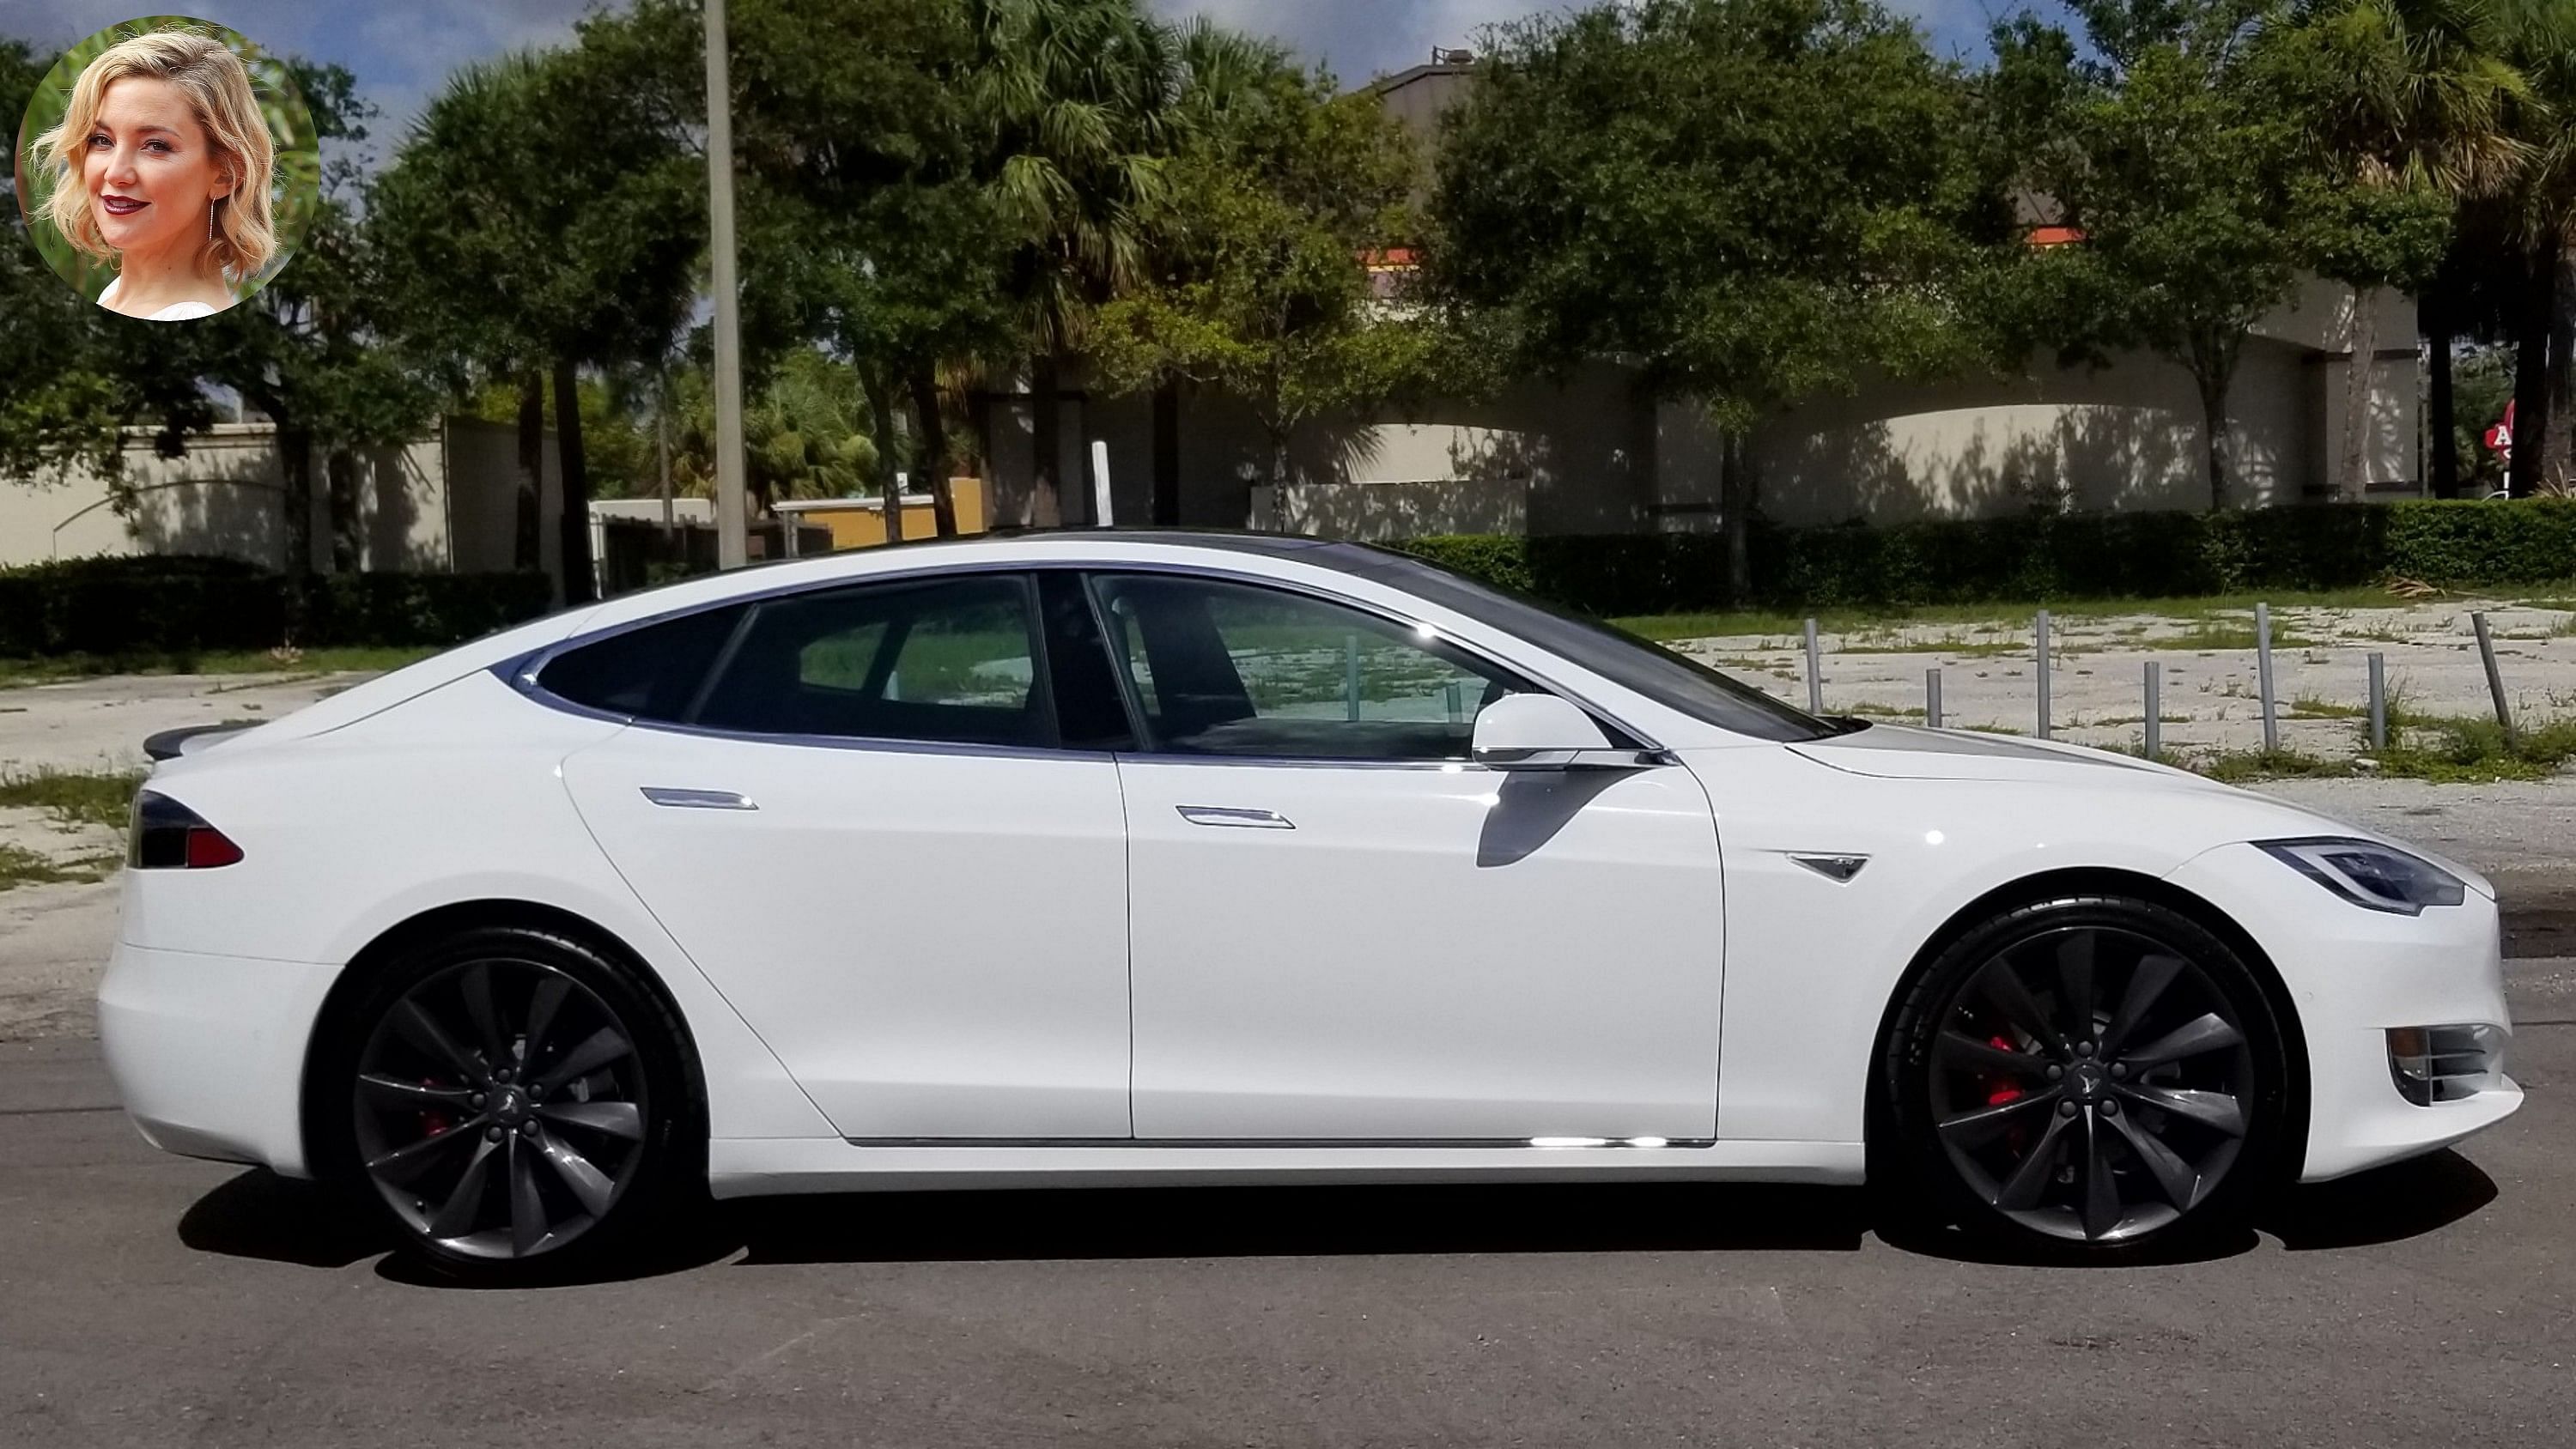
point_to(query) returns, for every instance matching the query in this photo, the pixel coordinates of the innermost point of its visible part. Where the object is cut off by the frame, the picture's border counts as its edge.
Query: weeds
(21, 866)
(104, 798)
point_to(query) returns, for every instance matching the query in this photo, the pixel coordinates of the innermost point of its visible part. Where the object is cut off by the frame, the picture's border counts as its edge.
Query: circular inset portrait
(166, 168)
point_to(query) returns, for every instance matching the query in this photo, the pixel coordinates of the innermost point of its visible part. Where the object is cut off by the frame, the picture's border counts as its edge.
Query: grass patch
(2235, 767)
(20, 866)
(54, 669)
(1885, 711)
(104, 798)
(2309, 706)
(2467, 748)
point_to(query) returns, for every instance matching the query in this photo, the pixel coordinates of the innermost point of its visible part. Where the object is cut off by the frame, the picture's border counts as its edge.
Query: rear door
(868, 828)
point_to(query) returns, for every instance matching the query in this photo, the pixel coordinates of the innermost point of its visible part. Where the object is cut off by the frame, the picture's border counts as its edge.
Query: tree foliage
(1280, 191)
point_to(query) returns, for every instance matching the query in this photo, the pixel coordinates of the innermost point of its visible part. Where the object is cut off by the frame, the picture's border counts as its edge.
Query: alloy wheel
(2091, 1084)
(500, 1108)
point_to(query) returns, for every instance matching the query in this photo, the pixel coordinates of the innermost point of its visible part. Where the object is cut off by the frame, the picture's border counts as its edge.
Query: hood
(1911, 752)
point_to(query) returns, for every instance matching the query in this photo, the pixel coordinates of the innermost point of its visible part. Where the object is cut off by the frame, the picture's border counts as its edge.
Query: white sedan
(1116, 858)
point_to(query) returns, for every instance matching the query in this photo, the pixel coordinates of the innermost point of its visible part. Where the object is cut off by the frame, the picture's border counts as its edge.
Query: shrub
(152, 605)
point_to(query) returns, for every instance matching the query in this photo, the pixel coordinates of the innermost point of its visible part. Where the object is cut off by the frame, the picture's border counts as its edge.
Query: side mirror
(1543, 732)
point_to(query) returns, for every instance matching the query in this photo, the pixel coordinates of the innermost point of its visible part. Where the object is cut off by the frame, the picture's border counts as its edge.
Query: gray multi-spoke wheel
(2094, 1072)
(508, 1095)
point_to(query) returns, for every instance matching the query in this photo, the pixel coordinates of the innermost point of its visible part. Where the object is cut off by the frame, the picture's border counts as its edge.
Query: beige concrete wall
(226, 495)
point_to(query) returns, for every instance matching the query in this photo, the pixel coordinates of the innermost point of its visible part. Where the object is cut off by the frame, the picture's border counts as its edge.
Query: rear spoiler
(171, 744)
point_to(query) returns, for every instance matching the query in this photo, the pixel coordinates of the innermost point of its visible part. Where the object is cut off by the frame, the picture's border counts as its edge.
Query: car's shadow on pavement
(260, 1215)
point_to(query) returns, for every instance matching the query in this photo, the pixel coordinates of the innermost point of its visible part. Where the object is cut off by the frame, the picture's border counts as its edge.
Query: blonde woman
(163, 162)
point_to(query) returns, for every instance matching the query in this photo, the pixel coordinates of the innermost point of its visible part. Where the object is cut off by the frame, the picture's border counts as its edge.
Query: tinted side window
(949, 662)
(1233, 669)
(649, 673)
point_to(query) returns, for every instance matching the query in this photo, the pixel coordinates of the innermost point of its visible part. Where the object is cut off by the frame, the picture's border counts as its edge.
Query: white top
(175, 312)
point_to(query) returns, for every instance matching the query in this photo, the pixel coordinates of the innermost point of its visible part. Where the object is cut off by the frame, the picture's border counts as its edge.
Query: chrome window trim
(521, 673)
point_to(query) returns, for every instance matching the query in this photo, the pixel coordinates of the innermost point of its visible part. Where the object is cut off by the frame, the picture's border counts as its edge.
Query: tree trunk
(934, 449)
(341, 469)
(2531, 412)
(881, 410)
(2444, 401)
(581, 579)
(1045, 506)
(1167, 453)
(2558, 447)
(1735, 514)
(2353, 471)
(532, 470)
(295, 459)
(2213, 430)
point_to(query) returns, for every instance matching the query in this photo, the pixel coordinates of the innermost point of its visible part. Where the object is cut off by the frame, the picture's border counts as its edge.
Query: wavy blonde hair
(218, 89)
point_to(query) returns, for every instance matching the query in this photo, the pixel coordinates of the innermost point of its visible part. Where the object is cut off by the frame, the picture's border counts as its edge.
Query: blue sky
(402, 49)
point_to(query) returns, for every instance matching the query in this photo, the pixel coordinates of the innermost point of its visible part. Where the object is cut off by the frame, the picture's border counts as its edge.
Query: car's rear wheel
(2090, 1075)
(512, 1101)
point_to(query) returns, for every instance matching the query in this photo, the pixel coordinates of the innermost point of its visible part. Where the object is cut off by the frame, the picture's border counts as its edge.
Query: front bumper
(207, 1052)
(2353, 975)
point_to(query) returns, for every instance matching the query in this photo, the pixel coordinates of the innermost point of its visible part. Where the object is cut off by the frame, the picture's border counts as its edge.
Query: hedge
(180, 605)
(2075, 556)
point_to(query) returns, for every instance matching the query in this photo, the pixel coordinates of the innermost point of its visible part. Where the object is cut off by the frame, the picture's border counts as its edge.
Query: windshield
(1658, 673)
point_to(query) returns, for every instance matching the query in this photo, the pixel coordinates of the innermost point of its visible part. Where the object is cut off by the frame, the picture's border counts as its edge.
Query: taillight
(170, 836)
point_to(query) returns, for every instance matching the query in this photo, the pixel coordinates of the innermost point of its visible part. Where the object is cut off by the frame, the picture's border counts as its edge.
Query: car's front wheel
(511, 1100)
(2091, 1074)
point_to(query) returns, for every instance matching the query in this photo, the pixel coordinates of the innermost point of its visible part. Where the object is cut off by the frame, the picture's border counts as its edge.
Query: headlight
(2368, 874)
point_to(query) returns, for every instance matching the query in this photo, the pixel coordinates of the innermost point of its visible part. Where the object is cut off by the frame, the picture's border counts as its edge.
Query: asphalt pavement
(146, 1300)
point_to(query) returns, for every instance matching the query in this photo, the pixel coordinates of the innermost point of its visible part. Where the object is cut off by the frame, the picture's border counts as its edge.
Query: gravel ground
(2209, 701)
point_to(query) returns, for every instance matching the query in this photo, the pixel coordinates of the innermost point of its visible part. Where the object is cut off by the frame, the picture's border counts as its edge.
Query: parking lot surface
(146, 1300)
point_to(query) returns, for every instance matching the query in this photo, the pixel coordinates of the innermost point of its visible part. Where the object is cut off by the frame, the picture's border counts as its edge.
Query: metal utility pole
(733, 547)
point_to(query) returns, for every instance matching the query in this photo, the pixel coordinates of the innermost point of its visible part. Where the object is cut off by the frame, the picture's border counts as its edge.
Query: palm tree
(1077, 97)
(2542, 44)
(2418, 97)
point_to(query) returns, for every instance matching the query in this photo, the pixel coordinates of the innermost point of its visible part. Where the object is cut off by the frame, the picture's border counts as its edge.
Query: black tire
(513, 1104)
(2092, 1077)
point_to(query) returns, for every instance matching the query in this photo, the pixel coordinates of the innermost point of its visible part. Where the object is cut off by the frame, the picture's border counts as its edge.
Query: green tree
(1754, 201)
(2540, 223)
(543, 217)
(870, 229)
(1075, 99)
(2189, 175)
(1279, 188)
(2406, 100)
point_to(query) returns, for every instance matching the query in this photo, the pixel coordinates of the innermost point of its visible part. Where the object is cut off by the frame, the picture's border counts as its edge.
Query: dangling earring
(210, 217)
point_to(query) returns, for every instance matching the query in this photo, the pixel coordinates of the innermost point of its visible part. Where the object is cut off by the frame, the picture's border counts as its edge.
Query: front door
(1341, 929)
(868, 836)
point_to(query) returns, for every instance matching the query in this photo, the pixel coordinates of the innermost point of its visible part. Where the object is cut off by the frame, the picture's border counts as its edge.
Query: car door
(866, 829)
(1342, 929)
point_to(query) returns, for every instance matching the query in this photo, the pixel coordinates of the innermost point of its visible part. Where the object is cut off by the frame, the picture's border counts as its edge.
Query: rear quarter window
(652, 672)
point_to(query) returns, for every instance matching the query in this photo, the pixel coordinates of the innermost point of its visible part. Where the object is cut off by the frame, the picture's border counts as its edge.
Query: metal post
(733, 546)
(662, 449)
(1457, 704)
(2155, 709)
(2043, 674)
(2378, 702)
(1815, 679)
(2263, 678)
(1351, 672)
(2495, 679)
(1099, 483)
(1932, 698)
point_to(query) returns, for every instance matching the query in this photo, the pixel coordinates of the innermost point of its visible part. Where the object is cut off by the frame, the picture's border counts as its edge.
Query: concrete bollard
(2495, 677)
(2043, 673)
(2263, 678)
(1815, 675)
(2155, 709)
(1932, 698)
(2378, 702)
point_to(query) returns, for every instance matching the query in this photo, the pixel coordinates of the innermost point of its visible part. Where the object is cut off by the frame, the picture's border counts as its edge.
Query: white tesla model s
(1133, 857)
